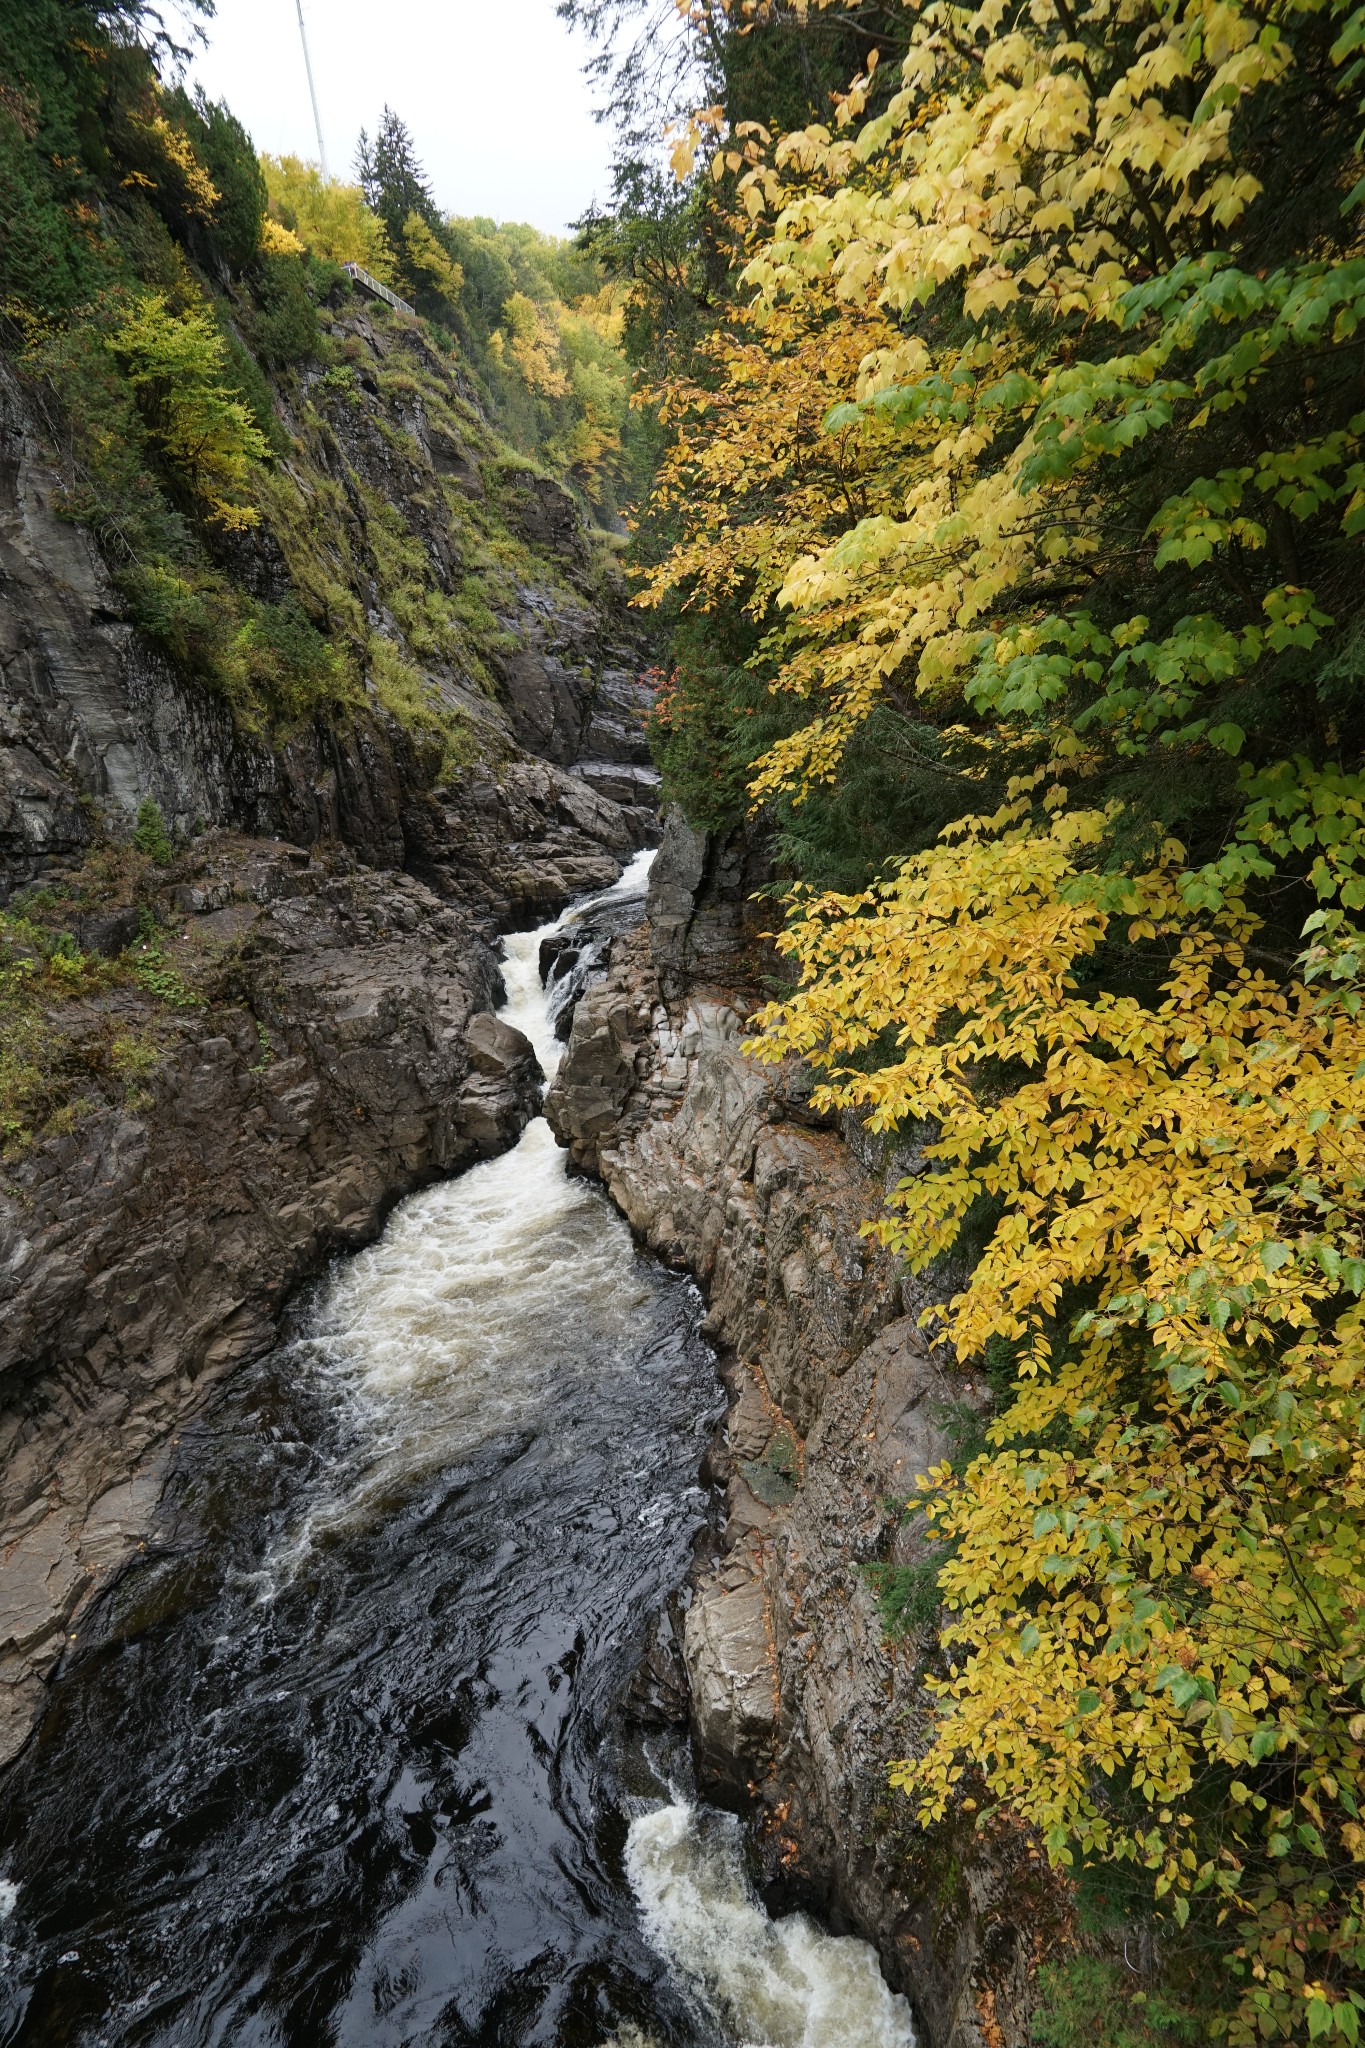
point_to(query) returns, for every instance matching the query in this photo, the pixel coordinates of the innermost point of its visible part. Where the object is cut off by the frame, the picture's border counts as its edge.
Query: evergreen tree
(364, 171)
(390, 175)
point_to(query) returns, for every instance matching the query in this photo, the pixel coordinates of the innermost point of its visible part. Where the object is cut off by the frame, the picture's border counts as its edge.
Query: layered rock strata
(797, 1694)
(348, 1054)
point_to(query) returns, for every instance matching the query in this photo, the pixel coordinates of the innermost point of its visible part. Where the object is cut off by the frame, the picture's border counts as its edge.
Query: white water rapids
(349, 1766)
(771, 1983)
(500, 1251)
(444, 1332)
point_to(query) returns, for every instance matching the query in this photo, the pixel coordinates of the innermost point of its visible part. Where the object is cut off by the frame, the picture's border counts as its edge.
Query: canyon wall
(296, 1024)
(799, 1697)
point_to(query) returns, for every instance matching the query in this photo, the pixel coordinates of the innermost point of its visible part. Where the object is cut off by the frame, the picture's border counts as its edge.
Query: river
(344, 1762)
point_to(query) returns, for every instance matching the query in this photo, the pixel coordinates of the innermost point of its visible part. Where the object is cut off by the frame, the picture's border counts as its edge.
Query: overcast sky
(492, 90)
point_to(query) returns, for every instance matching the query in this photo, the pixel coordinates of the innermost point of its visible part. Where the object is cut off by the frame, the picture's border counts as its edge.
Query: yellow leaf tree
(1085, 493)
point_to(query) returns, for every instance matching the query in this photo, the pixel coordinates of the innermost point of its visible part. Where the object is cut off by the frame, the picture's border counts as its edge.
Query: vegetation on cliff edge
(1009, 534)
(180, 315)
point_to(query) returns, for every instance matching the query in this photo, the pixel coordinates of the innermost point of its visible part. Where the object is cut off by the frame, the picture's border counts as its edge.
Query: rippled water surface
(346, 1767)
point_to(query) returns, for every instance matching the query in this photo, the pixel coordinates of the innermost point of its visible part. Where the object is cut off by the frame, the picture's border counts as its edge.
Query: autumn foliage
(1040, 432)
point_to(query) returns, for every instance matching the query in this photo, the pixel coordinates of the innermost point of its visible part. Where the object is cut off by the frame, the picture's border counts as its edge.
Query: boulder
(727, 1645)
(502, 1090)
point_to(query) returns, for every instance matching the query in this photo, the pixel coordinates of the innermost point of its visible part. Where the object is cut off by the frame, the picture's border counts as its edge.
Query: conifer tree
(364, 170)
(391, 176)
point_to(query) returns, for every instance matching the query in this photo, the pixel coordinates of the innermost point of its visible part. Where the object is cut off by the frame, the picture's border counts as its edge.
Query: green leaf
(1228, 738)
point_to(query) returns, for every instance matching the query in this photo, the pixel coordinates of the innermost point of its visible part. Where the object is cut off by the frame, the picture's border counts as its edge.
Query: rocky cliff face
(296, 1028)
(94, 718)
(797, 1694)
(347, 1053)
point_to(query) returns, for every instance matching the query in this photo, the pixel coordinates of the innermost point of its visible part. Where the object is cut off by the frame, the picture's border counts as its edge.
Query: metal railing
(376, 289)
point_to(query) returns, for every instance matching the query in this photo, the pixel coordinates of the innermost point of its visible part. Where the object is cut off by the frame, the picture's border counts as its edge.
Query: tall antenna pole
(312, 89)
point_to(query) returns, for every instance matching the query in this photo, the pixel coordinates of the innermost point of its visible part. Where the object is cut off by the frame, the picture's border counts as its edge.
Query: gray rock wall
(93, 719)
(350, 1057)
(798, 1697)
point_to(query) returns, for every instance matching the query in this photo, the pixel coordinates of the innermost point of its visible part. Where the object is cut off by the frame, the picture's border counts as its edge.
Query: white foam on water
(527, 1006)
(449, 1332)
(9, 1897)
(769, 1983)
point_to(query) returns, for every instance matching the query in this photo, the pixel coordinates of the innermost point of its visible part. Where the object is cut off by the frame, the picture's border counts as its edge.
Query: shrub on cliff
(150, 835)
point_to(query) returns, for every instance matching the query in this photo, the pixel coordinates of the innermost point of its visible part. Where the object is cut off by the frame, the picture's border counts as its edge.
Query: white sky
(492, 91)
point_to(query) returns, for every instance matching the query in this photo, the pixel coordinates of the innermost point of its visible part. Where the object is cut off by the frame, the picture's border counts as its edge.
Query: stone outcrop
(838, 1402)
(93, 719)
(702, 915)
(348, 1055)
(517, 844)
(337, 906)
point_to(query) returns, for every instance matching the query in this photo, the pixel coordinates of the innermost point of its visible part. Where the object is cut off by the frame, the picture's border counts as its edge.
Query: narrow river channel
(346, 1768)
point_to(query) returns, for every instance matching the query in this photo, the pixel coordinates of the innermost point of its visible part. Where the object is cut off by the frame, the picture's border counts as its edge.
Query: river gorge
(450, 1419)
(345, 1759)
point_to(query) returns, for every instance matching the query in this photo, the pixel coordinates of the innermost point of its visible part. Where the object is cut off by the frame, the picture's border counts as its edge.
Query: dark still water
(346, 1767)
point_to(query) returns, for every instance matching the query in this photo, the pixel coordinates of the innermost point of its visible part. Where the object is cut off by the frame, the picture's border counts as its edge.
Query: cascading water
(346, 1765)
(784, 1983)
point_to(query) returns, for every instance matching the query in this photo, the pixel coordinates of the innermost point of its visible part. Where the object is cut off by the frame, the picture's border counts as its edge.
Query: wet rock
(839, 1404)
(40, 1585)
(659, 1695)
(575, 958)
(549, 702)
(557, 954)
(632, 785)
(705, 924)
(502, 1091)
(352, 1056)
(498, 1050)
(615, 732)
(679, 1124)
(675, 882)
(596, 1077)
(518, 846)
